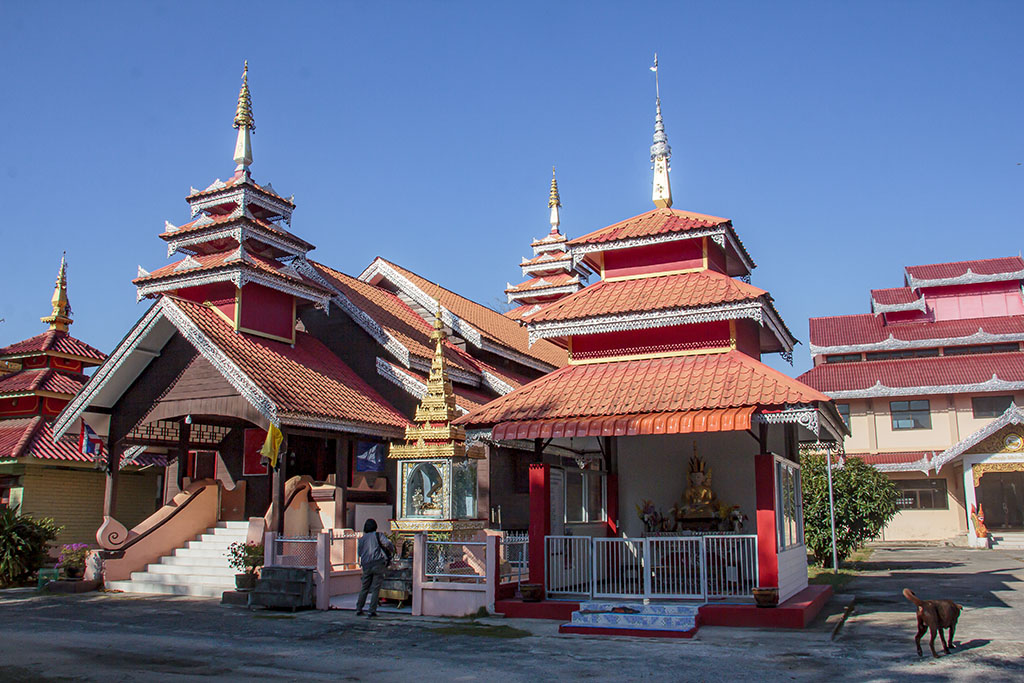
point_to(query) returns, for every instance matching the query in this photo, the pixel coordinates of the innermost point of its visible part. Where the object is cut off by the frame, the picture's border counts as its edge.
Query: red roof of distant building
(867, 328)
(648, 386)
(53, 341)
(942, 271)
(893, 296)
(655, 293)
(46, 379)
(913, 373)
(892, 458)
(655, 222)
(545, 282)
(304, 379)
(33, 437)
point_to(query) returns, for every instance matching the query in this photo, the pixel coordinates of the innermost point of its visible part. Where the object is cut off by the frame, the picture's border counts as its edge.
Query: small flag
(89, 443)
(272, 444)
(655, 67)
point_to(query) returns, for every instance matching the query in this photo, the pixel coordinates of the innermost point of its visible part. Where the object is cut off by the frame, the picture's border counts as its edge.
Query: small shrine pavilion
(552, 273)
(46, 477)
(664, 388)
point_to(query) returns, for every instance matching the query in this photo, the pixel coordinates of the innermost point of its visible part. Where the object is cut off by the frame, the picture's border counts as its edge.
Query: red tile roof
(224, 259)
(895, 295)
(217, 221)
(850, 330)
(495, 326)
(892, 458)
(553, 258)
(33, 437)
(305, 380)
(239, 179)
(522, 312)
(53, 341)
(655, 222)
(545, 282)
(658, 385)
(465, 397)
(46, 379)
(942, 271)
(662, 292)
(908, 373)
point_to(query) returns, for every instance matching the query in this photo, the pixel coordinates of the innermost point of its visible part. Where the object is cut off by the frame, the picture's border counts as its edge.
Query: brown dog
(935, 615)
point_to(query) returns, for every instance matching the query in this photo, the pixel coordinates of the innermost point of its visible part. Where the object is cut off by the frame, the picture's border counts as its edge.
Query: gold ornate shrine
(984, 468)
(437, 471)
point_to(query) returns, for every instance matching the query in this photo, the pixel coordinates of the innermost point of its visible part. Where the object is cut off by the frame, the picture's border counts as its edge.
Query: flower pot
(766, 597)
(73, 572)
(245, 582)
(532, 592)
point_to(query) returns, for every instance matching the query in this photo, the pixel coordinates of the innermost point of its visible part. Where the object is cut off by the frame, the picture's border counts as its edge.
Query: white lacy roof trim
(1013, 415)
(519, 444)
(808, 416)
(429, 303)
(918, 305)
(456, 374)
(758, 311)
(167, 310)
(335, 425)
(170, 227)
(543, 290)
(497, 384)
(239, 234)
(242, 196)
(916, 466)
(188, 263)
(968, 278)
(410, 383)
(880, 390)
(130, 454)
(521, 358)
(720, 235)
(142, 272)
(239, 277)
(890, 344)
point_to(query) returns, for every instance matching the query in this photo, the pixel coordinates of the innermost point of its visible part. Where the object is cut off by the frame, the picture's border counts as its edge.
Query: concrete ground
(117, 637)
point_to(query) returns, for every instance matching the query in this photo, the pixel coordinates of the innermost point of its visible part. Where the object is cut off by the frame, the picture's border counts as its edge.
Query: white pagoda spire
(660, 151)
(244, 123)
(554, 203)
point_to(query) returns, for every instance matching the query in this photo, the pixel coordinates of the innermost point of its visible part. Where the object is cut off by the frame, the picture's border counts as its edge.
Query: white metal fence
(344, 549)
(680, 567)
(456, 561)
(294, 551)
(515, 558)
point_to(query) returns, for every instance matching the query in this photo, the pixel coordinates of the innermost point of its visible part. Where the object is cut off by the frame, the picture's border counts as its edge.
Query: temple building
(666, 452)
(248, 337)
(551, 273)
(928, 383)
(43, 477)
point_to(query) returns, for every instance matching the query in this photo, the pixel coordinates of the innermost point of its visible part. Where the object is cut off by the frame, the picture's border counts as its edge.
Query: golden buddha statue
(699, 499)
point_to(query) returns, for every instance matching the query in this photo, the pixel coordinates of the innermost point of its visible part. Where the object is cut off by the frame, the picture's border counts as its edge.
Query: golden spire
(60, 317)
(244, 123)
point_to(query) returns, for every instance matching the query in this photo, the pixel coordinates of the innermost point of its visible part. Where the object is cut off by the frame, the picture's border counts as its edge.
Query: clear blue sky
(844, 140)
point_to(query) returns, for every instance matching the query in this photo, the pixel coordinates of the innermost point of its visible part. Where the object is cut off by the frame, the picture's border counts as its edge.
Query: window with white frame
(584, 496)
(789, 517)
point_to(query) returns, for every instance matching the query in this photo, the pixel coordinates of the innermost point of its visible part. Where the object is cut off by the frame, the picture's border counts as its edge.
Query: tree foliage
(24, 543)
(865, 501)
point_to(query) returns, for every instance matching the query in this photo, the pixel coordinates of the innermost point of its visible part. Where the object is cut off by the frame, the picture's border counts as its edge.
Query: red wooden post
(540, 518)
(767, 554)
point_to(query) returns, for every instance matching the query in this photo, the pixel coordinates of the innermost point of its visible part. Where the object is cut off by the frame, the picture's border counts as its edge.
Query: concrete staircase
(1007, 540)
(659, 620)
(200, 568)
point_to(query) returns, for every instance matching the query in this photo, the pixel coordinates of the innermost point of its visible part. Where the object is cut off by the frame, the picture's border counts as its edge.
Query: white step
(234, 525)
(147, 587)
(197, 550)
(191, 570)
(193, 561)
(151, 577)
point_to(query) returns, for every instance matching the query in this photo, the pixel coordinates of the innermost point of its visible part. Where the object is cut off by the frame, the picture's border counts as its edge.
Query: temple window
(424, 495)
(910, 414)
(584, 496)
(905, 353)
(843, 358)
(789, 518)
(990, 406)
(844, 412)
(981, 348)
(922, 494)
(464, 488)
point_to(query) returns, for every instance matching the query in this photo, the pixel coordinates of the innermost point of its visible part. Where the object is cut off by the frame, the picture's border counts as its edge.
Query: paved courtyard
(115, 637)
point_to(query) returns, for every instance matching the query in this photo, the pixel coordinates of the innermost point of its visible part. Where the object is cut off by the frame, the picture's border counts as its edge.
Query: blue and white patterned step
(642, 622)
(655, 608)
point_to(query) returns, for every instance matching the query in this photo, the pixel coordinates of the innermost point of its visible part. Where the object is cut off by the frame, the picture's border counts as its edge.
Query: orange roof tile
(306, 379)
(47, 379)
(654, 222)
(53, 341)
(544, 282)
(235, 180)
(638, 387)
(217, 221)
(224, 259)
(684, 290)
(492, 324)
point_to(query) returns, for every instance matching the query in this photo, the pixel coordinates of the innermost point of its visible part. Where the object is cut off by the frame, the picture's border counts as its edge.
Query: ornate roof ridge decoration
(304, 421)
(60, 317)
(1013, 415)
(244, 194)
(292, 245)
(880, 390)
(496, 384)
(892, 343)
(548, 290)
(809, 416)
(410, 383)
(917, 305)
(968, 278)
(417, 362)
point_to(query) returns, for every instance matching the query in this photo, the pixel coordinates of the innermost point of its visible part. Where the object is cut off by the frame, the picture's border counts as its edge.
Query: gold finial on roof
(553, 199)
(60, 317)
(243, 114)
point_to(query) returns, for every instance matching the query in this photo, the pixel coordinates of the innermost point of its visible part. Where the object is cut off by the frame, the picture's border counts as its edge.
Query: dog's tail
(909, 595)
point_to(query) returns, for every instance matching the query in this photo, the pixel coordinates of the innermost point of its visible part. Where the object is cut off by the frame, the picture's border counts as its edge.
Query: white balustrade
(567, 569)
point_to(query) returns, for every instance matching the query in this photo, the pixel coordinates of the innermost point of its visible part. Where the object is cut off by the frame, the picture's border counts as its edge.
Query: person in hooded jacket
(375, 552)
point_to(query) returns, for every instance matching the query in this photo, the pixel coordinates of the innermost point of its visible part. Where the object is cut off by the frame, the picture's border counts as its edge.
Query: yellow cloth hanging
(272, 444)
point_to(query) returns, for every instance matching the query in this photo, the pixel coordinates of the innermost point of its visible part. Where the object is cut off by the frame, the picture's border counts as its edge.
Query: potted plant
(245, 558)
(766, 597)
(72, 559)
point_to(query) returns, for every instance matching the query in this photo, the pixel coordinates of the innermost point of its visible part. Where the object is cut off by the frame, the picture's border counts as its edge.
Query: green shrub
(24, 542)
(865, 501)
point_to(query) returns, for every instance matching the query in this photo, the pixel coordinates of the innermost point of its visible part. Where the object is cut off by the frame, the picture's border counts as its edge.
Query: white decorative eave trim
(811, 417)
(918, 305)
(238, 233)
(1013, 415)
(891, 344)
(542, 290)
(242, 195)
(496, 384)
(968, 278)
(922, 465)
(456, 374)
(721, 235)
(167, 310)
(335, 425)
(239, 277)
(411, 384)
(521, 358)
(758, 310)
(881, 390)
